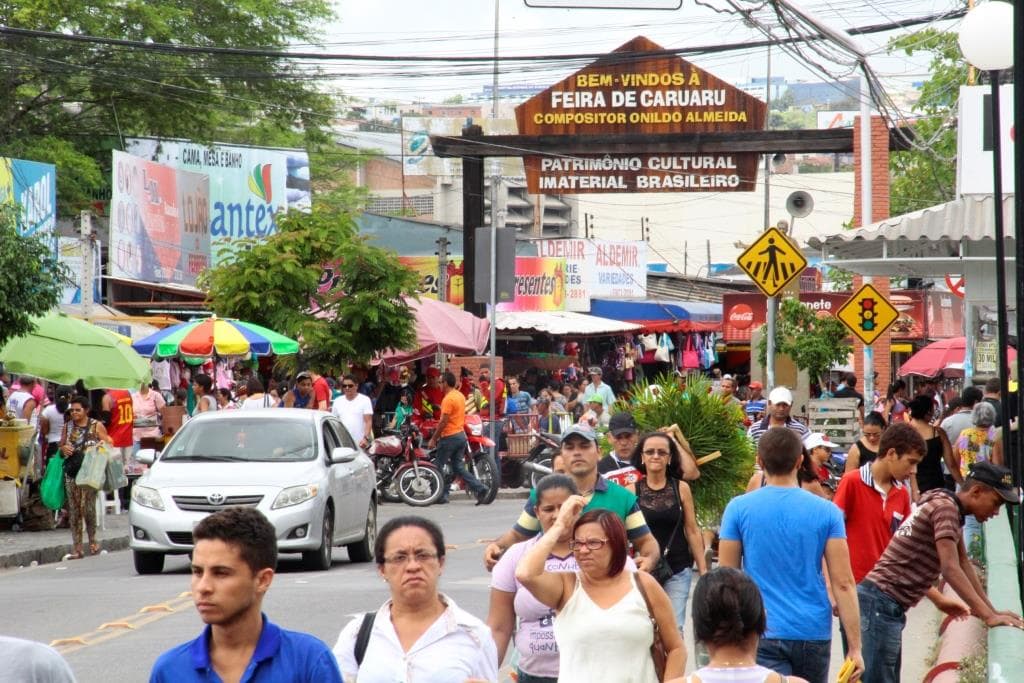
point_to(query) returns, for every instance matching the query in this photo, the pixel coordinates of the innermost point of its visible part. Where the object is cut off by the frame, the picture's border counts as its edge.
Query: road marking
(118, 627)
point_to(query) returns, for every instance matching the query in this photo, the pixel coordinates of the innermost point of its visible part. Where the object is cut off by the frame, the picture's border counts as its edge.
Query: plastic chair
(102, 503)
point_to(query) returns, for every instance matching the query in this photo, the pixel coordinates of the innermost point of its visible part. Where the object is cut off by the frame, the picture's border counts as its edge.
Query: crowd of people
(599, 567)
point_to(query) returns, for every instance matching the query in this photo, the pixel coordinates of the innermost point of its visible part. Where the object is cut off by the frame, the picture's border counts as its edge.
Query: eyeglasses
(348, 386)
(421, 557)
(589, 544)
(657, 452)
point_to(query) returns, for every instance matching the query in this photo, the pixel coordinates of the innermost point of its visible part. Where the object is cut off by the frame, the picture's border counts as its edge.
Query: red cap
(756, 385)
(433, 372)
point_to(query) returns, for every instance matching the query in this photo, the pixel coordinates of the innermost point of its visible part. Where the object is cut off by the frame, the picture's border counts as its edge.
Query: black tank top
(662, 514)
(866, 454)
(929, 470)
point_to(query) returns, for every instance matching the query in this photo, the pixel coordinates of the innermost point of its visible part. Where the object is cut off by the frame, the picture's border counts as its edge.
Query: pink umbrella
(441, 328)
(942, 355)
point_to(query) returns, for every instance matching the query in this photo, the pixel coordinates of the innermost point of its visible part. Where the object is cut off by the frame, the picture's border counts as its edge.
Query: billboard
(159, 222)
(632, 91)
(249, 186)
(33, 187)
(974, 139)
(540, 285)
(428, 270)
(601, 269)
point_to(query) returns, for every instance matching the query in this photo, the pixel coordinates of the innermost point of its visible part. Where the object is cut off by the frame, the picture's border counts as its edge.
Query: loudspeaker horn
(799, 204)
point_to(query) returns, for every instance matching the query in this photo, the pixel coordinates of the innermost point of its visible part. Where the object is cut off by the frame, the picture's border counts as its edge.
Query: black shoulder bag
(363, 637)
(662, 572)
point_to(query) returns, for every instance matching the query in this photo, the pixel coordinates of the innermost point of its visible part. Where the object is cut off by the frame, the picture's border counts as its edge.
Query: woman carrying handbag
(80, 432)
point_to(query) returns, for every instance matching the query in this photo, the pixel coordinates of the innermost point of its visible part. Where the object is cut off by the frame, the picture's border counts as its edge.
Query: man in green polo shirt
(581, 454)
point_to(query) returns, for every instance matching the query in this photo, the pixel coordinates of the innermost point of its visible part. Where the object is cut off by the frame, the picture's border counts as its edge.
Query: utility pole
(686, 257)
(442, 268)
(88, 242)
(497, 216)
(645, 229)
(709, 258)
(771, 314)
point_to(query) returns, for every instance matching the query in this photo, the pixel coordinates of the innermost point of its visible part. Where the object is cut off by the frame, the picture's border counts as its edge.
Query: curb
(54, 553)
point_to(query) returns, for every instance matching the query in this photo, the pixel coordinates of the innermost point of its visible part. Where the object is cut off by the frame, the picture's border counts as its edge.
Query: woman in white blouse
(420, 635)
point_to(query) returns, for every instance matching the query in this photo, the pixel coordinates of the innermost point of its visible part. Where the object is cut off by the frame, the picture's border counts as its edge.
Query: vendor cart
(19, 460)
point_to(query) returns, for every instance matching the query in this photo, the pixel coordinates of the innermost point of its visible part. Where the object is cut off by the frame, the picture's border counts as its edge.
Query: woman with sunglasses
(603, 620)
(667, 504)
(866, 448)
(80, 432)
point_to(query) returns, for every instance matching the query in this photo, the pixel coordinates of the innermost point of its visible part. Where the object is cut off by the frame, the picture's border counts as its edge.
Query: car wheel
(148, 563)
(319, 560)
(362, 551)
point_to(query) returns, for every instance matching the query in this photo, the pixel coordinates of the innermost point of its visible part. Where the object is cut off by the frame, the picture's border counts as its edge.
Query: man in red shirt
(321, 392)
(429, 396)
(117, 404)
(875, 501)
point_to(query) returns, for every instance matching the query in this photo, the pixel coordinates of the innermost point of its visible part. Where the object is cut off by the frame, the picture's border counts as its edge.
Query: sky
(466, 27)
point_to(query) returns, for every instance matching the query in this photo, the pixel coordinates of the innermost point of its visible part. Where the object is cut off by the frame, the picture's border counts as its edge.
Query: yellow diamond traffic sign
(772, 261)
(868, 314)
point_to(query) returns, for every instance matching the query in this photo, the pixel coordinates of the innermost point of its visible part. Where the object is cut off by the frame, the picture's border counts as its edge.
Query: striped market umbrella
(215, 337)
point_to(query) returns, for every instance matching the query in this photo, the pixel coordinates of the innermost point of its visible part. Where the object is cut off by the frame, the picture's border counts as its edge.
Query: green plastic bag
(51, 490)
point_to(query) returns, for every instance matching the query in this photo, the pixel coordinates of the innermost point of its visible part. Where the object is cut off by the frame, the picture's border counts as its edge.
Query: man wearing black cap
(580, 452)
(927, 544)
(622, 428)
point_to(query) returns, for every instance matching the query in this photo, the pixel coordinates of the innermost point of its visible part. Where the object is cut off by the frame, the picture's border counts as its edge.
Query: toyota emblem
(215, 498)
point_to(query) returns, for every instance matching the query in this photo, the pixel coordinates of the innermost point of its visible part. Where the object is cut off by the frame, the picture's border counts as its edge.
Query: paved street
(124, 621)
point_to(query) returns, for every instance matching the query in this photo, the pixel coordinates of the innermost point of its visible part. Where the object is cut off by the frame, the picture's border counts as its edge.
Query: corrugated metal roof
(680, 287)
(970, 218)
(560, 323)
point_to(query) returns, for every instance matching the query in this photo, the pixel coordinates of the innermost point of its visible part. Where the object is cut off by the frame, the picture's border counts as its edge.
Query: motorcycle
(478, 458)
(517, 470)
(404, 470)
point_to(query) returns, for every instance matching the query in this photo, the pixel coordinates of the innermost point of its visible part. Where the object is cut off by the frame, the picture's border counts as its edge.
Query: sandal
(76, 554)
(94, 549)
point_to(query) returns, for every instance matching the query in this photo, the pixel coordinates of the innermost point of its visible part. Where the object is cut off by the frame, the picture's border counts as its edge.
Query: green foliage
(709, 426)
(71, 103)
(815, 344)
(276, 283)
(31, 278)
(925, 178)
(842, 280)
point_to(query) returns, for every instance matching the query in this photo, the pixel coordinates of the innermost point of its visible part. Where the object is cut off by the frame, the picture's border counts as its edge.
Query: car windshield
(243, 439)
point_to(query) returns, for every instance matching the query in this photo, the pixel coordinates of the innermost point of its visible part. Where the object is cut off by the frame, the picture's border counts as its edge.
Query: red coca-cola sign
(741, 316)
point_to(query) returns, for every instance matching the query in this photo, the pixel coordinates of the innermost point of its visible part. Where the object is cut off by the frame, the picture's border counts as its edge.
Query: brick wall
(879, 211)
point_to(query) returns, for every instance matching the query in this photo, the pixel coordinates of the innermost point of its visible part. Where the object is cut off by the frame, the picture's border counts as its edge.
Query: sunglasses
(348, 386)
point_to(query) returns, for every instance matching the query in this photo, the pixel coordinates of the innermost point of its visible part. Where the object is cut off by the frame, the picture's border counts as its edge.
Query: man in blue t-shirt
(232, 567)
(780, 534)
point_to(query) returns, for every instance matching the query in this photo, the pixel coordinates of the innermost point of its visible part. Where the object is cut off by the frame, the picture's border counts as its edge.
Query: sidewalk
(21, 548)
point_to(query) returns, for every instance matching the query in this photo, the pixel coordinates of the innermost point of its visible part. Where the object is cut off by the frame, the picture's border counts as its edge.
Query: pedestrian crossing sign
(868, 314)
(772, 261)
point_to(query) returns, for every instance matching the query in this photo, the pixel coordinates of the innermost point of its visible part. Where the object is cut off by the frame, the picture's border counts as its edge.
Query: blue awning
(661, 315)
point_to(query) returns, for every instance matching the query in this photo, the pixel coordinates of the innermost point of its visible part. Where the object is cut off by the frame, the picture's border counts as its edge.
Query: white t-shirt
(351, 413)
(56, 422)
(16, 404)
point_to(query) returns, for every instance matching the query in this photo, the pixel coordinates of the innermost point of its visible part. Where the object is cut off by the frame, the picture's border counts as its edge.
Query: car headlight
(147, 497)
(293, 495)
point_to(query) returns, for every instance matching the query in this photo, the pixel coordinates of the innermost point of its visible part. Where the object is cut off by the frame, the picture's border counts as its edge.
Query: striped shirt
(910, 564)
(759, 428)
(607, 495)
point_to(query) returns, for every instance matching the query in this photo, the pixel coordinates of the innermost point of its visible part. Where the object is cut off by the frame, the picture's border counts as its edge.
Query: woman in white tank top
(729, 618)
(603, 626)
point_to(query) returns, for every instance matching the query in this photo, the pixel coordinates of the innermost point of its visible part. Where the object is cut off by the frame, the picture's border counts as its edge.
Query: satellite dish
(799, 204)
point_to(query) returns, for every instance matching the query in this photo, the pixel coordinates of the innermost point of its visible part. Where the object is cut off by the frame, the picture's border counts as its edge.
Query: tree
(70, 103)
(814, 343)
(318, 262)
(31, 278)
(923, 178)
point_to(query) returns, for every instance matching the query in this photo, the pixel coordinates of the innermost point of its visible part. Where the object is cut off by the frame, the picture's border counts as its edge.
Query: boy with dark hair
(788, 569)
(928, 544)
(232, 568)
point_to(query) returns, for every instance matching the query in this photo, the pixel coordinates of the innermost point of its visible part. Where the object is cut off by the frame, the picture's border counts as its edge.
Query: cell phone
(845, 672)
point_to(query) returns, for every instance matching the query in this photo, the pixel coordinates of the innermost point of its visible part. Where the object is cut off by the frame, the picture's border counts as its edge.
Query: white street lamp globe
(986, 36)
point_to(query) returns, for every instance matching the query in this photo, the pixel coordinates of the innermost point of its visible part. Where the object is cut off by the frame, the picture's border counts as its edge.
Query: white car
(300, 468)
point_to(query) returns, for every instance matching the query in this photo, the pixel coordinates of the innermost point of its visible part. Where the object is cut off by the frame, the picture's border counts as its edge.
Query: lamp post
(986, 40)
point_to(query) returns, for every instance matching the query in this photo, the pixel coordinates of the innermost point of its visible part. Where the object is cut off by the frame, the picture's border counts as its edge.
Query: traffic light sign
(867, 314)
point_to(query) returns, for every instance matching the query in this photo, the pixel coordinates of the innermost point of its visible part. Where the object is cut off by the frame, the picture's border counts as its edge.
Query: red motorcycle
(478, 458)
(404, 470)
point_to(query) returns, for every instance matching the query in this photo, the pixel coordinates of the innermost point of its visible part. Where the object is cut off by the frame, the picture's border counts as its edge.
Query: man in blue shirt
(780, 533)
(232, 568)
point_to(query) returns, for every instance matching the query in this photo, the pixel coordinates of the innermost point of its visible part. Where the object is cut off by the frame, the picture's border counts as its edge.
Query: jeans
(805, 658)
(450, 451)
(881, 634)
(678, 589)
(530, 678)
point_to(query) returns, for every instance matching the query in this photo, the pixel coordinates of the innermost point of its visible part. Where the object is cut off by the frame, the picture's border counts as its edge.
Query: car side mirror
(343, 454)
(146, 456)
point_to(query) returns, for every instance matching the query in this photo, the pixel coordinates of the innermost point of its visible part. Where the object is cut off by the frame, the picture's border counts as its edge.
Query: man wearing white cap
(780, 401)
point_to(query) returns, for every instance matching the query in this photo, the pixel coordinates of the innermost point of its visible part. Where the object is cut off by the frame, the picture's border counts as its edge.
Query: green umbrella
(64, 350)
